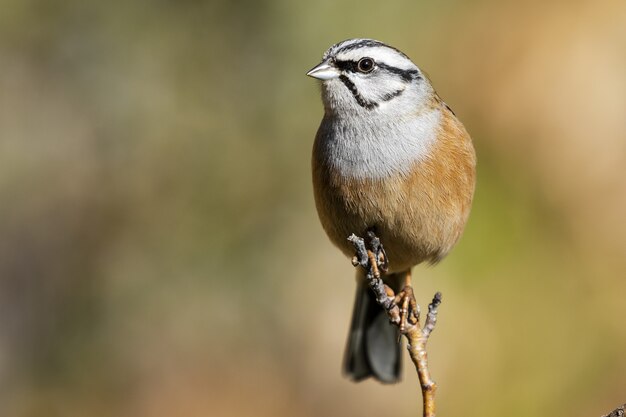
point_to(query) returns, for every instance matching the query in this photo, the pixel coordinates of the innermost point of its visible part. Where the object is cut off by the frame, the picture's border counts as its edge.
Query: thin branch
(403, 312)
(618, 412)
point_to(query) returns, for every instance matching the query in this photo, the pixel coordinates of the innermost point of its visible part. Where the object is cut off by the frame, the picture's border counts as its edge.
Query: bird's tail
(374, 347)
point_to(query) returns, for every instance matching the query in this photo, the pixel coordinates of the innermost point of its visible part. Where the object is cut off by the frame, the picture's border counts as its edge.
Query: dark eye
(365, 65)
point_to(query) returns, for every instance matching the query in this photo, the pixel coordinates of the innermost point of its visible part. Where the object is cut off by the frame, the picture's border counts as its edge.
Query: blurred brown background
(160, 254)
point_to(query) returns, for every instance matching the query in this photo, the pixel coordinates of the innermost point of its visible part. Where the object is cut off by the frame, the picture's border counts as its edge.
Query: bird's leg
(402, 309)
(405, 300)
(378, 251)
(373, 259)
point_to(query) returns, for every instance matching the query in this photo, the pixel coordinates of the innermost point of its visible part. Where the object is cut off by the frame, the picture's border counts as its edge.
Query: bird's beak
(324, 71)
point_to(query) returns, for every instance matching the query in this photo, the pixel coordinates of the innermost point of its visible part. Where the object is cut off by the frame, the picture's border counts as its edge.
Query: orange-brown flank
(419, 216)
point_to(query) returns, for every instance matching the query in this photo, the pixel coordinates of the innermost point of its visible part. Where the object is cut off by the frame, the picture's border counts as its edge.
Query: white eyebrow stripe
(345, 44)
(379, 54)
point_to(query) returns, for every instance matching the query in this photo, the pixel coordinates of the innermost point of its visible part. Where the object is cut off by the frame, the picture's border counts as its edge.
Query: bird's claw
(361, 256)
(379, 251)
(372, 258)
(371, 255)
(409, 310)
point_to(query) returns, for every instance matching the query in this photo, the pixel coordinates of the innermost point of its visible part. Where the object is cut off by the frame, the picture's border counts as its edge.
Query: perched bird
(390, 157)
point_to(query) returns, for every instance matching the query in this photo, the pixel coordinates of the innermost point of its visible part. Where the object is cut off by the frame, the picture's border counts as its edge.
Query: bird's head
(367, 77)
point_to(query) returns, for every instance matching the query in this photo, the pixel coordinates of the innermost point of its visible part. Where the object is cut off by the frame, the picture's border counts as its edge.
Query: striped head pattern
(368, 77)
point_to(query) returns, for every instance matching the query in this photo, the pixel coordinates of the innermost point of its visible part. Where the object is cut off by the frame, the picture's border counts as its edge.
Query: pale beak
(324, 71)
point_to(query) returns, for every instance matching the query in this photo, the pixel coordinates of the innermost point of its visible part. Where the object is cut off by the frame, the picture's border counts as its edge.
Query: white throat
(379, 146)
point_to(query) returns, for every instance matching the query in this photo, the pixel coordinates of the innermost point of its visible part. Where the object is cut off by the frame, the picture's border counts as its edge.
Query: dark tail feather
(373, 343)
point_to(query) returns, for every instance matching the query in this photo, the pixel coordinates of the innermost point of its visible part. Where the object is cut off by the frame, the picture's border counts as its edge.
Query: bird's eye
(365, 65)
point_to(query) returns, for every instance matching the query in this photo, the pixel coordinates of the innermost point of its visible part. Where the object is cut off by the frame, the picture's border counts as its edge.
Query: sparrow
(391, 157)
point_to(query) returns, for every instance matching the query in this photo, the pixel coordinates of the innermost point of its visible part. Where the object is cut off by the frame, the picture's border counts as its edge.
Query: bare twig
(403, 311)
(618, 412)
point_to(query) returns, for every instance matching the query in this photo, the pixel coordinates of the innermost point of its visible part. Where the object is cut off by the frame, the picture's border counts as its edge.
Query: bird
(389, 157)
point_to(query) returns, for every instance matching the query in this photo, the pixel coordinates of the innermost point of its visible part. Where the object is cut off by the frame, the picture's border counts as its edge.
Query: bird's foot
(373, 259)
(370, 255)
(378, 251)
(402, 310)
(409, 310)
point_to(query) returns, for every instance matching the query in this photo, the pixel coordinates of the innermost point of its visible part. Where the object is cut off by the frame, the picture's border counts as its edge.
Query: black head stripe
(392, 95)
(365, 43)
(369, 105)
(407, 75)
(350, 66)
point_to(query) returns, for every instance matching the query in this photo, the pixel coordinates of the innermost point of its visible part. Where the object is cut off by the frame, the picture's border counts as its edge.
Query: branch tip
(436, 299)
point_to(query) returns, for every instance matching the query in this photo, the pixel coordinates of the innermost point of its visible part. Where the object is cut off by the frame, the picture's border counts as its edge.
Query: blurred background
(160, 254)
